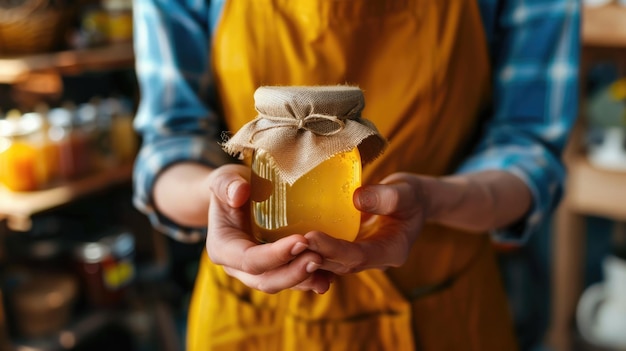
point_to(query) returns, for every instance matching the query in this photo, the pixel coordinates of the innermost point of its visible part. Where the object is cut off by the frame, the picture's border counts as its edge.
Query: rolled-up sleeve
(535, 51)
(172, 42)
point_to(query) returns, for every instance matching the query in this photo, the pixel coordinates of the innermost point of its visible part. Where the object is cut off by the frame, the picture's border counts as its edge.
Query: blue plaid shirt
(534, 46)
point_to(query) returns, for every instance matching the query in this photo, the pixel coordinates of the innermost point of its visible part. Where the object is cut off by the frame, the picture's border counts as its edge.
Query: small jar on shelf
(125, 141)
(103, 142)
(24, 154)
(107, 268)
(87, 124)
(72, 144)
(119, 20)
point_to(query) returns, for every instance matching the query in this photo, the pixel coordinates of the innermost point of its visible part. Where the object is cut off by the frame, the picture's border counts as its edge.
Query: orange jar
(48, 154)
(21, 162)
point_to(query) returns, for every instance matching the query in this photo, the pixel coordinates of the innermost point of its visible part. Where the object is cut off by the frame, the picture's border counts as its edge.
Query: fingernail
(319, 292)
(232, 188)
(367, 199)
(298, 248)
(312, 267)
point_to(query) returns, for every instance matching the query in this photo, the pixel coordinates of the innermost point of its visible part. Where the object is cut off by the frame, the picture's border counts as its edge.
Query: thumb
(230, 186)
(396, 199)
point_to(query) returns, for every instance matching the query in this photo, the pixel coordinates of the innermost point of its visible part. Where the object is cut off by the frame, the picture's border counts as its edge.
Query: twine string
(317, 123)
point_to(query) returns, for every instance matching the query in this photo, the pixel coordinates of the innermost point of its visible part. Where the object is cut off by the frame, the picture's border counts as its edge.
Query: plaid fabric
(534, 46)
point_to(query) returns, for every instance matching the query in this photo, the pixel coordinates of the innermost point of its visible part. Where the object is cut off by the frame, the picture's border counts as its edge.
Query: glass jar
(94, 260)
(122, 131)
(107, 268)
(307, 146)
(48, 154)
(103, 138)
(21, 166)
(72, 144)
(119, 20)
(123, 251)
(319, 200)
(86, 127)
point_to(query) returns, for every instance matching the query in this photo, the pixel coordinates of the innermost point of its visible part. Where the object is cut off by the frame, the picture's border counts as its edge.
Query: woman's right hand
(284, 264)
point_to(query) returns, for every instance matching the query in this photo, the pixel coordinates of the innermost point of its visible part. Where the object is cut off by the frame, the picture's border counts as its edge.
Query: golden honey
(320, 200)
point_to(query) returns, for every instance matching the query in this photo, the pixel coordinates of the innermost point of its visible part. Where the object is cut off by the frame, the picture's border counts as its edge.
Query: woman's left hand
(396, 209)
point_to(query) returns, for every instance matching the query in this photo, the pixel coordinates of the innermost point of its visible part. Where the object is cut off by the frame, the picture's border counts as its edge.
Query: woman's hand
(399, 206)
(397, 210)
(284, 264)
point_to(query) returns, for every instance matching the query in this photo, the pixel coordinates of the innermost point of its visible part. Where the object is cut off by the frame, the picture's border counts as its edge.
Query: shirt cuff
(153, 159)
(542, 174)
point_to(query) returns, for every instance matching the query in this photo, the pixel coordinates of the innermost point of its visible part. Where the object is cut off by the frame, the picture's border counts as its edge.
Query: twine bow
(317, 123)
(302, 126)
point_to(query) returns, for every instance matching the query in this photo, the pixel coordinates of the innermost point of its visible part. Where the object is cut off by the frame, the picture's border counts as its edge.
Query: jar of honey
(306, 160)
(319, 200)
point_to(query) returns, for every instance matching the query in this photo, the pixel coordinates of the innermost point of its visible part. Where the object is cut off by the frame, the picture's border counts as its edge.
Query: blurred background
(81, 269)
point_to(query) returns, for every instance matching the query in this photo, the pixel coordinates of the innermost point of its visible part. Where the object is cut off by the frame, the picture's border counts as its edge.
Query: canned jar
(72, 144)
(306, 160)
(22, 163)
(107, 268)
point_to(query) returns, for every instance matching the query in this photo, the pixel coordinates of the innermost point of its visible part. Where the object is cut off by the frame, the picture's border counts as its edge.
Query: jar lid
(28, 124)
(93, 252)
(60, 117)
(117, 5)
(121, 245)
(86, 114)
(31, 122)
(8, 128)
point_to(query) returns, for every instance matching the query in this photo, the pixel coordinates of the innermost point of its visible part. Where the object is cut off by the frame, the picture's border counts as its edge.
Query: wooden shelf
(604, 26)
(595, 191)
(13, 69)
(17, 207)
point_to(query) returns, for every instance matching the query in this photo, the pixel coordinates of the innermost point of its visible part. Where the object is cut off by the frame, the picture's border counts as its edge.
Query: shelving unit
(596, 192)
(14, 69)
(18, 207)
(589, 191)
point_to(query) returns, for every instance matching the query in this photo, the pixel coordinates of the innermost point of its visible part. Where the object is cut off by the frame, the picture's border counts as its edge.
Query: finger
(343, 257)
(245, 255)
(284, 277)
(227, 244)
(319, 282)
(340, 256)
(396, 200)
(230, 184)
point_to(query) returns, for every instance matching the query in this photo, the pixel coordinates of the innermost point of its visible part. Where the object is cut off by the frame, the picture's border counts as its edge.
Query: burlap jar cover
(302, 126)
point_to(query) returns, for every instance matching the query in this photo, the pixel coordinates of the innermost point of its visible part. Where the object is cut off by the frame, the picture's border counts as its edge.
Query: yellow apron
(424, 69)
